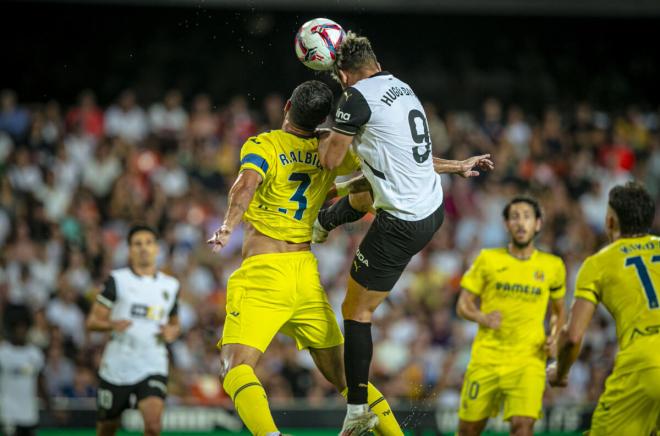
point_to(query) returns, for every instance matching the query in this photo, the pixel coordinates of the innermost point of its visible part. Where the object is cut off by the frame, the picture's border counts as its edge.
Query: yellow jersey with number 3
(519, 289)
(294, 184)
(625, 277)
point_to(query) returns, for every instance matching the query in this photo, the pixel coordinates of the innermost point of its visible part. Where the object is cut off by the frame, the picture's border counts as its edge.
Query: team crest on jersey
(539, 275)
(166, 295)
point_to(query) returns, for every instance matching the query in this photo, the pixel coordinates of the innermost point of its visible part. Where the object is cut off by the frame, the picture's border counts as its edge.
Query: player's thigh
(313, 323)
(151, 393)
(151, 408)
(360, 302)
(522, 390)
(630, 404)
(260, 299)
(111, 401)
(480, 395)
(388, 246)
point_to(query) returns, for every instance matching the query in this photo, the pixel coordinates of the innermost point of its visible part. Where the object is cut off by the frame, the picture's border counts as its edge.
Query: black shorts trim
(388, 247)
(112, 400)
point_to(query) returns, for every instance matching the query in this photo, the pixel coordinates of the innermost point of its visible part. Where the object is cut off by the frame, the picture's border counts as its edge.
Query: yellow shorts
(486, 387)
(630, 404)
(279, 292)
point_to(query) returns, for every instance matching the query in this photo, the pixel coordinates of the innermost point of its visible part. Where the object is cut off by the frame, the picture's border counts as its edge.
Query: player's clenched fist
(492, 320)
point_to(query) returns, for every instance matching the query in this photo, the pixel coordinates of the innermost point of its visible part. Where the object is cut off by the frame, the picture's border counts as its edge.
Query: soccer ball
(317, 43)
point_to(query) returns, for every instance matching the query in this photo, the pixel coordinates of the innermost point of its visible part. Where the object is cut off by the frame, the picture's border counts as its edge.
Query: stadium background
(123, 112)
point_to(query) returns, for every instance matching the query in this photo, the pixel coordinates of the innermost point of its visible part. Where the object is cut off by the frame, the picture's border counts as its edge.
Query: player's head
(309, 105)
(522, 216)
(356, 60)
(142, 246)
(630, 211)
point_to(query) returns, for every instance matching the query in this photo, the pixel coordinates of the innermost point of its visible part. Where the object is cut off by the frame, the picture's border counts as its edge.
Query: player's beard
(522, 245)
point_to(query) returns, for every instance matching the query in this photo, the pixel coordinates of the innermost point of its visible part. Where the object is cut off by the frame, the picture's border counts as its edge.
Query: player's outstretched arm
(240, 196)
(469, 167)
(333, 147)
(467, 308)
(570, 341)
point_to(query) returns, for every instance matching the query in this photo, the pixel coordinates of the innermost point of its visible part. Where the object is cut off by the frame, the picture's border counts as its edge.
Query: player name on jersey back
(393, 141)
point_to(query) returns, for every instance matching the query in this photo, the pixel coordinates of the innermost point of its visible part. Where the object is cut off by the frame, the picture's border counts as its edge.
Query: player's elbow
(89, 323)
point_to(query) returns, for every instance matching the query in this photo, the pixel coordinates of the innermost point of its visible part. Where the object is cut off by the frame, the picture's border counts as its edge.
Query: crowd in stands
(73, 178)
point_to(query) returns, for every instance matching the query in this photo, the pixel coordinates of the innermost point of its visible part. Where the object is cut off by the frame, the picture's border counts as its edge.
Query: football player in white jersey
(21, 376)
(138, 305)
(384, 121)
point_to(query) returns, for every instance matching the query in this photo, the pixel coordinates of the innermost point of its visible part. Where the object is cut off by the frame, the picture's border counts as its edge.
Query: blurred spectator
(86, 117)
(126, 119)
(168, 120)
(14, 120)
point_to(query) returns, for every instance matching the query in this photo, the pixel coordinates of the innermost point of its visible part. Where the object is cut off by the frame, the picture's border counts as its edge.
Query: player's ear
(539, 223)
(287, 106)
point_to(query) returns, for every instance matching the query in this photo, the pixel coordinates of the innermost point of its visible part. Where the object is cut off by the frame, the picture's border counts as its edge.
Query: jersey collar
(381, 73)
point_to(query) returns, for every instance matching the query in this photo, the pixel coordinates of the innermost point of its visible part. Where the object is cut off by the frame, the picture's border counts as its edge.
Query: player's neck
(522, 253)
(146, 271)
(289, 127)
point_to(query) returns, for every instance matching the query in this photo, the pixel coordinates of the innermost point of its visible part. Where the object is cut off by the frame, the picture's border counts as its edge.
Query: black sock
(357, 359)
(339, 213)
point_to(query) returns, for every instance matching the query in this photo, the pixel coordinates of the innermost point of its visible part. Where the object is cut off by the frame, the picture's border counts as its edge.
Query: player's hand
(550, 346)
(169, 332)
(551, 374)
(220, 238)
(121, 325)
(470, 167)
(492, 320)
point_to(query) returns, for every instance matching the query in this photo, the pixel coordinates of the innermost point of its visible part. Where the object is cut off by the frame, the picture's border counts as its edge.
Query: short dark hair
(311, 103)
(523, 199)
(140, 228)
(634, 208)
(355, 53)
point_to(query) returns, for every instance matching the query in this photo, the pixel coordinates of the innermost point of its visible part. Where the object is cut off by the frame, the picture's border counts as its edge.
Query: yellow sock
(387, 423)
(249, 399)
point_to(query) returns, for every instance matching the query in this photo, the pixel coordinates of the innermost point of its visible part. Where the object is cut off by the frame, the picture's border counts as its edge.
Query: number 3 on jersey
(299, 195)
(645, 278)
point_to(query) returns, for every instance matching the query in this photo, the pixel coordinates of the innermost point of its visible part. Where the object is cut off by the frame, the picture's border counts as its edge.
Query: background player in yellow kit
(625, 277)
(510, 350)
(279, 191)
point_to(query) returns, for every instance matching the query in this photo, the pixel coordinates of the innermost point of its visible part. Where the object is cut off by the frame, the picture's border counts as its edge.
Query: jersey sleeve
(350, 164)
(352, 112)
(108, 295)
(174, 311)
(257, 155)
(587, 282)
(558, 284)
(474, 278)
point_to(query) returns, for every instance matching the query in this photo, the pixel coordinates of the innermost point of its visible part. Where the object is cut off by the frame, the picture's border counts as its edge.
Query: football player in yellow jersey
(625, 277)
(513, 284)
(279, 191)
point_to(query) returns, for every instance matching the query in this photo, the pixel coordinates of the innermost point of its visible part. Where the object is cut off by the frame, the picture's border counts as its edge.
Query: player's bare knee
(233, 355)
(467, 428)
(522, 426)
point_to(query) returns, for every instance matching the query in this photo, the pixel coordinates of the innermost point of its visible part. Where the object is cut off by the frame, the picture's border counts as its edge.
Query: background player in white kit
(385, 121)
(21, 366)
(139, 306)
